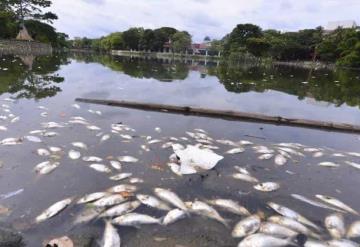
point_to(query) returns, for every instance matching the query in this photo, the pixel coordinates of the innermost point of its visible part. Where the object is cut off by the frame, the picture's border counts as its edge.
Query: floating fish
(129, 159)
(135, 219)
(245, 177)
(93, 127)
(353, 164)
(235, 150)
(55, 149)
(274, 229)
(46, 167)
(175, 168)
(100, 168)
(121, 209)
(75, 106)
(342, 243)
(318, 154)
(33, 138)
(115, 164)
(280, 160)
(328, 164)
(230, 206)
(51, 125)
(88, 214)
(171, 198)
(50, 134)
(120, 176)
(136, 180)
(42, 152)
(92, 159)
(91, 197)
(153, 141)
(204, 209)
(242, 170)
(79, 145)
(3, 128)
(337, 203)
(109, 200)
(15, 119)
(287, 212)
(123, 188)
(265, 156)
(152, 201)
(53, 210)
(111, 237)
(158, 129)
(246, 226)
(264, 240)
(127, 137)
(335, 224)
(10, 194)
(11, 141)
(105, 138)
(173, 216)
(354, 230)
(74, 155)
(267, 186)
(314, 203)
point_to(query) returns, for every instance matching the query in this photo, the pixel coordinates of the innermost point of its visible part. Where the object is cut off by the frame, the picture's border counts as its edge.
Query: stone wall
(21, 47)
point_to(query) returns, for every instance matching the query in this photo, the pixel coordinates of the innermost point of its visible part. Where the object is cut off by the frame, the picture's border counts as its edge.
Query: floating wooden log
(224, 114)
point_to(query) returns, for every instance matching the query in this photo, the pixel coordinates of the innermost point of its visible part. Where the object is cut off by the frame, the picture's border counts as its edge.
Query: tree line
(15, 15)
(138, 39)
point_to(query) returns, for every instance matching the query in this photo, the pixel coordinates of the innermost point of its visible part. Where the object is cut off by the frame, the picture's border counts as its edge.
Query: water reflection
(30, 76)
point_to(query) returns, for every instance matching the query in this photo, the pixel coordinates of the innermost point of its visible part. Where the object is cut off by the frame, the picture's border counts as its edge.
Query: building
(333, 25)
(201, 48)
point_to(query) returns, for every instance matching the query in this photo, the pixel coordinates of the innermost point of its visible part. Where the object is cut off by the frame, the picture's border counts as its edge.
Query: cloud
(94, 18)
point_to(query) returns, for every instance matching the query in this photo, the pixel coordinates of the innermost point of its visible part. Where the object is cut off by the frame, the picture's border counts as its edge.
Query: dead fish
(267, 186)
(242, 170)
(91, 197)
(11, 194)
(11, 141)
(42, 108)
(51, 125)
(120, 176)
(32, 138)
(293, 225)
(15, 119)
(291, 151)
(335, 225)
(74, 155)
(50, 134)
(353, 164)
(100, 168)
(246, 226)
(337, 203)
(3, 128)
(92, 159)
(245, 177)
(280, 160)
(34, 132)
(245, 142)
(128, 159)
(338, 155)
(342, 243)
(315, 243)
(175, 168)
(53, 210)
(318, 154)
(44, 114)
(354, 154)
(277, 230)
(145, 148)
(135, 219)
(314, 203)
(46, 167)
(263, 150)
(121, 209)
(111, 237)
(88, 214)
(173, 216)
(226, 142)
(264, 240)
(123, 188)
(55, 149)
(152, 201)
(154, 141)
(127, 137)
(105, 138)
(328, 164)
(167, 145)
(230, 206)
(158, 129)
(75, 121)
(93, 127)
(312, 150)
(109, 200)
(79, 145)
(235, 150)
(354, 230)
(42, 152)
(115, 164)
(204, 209)
(265, 156)
(136, 180)
(287, 212)
(171, 198)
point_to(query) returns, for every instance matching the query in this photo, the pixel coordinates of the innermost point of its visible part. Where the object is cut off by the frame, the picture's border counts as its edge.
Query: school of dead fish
(117, 205)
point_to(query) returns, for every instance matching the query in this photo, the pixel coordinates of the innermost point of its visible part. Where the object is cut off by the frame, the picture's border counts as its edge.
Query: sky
(214, 18)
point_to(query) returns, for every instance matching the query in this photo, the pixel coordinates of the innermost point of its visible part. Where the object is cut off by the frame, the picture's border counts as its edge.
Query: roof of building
(344, 24)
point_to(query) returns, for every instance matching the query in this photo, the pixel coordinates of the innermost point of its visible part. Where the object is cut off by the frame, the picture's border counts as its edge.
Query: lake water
(54, 82)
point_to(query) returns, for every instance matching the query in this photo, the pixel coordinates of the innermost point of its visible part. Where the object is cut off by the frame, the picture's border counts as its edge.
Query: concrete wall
(20, 47)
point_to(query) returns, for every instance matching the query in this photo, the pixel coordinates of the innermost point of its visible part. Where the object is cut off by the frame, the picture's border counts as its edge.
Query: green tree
(147, 41)
(8, 27)
(162, 35)
(132, 38)
(257, 46)
(181, 41)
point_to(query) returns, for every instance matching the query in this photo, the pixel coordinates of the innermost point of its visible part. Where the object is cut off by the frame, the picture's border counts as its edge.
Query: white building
(333, 25)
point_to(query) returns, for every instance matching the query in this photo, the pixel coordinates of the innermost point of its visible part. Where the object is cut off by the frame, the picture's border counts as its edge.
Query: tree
(207, 39)
(147, 41)
(8, 27)
(181, 41)
(132, 38)
(162, 35)
(257, 46)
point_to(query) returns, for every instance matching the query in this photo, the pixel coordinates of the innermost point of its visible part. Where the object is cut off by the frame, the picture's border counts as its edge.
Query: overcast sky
(94, 18)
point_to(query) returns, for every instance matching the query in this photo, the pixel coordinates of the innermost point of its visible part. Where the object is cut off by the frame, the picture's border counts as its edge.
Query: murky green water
(55, 82)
